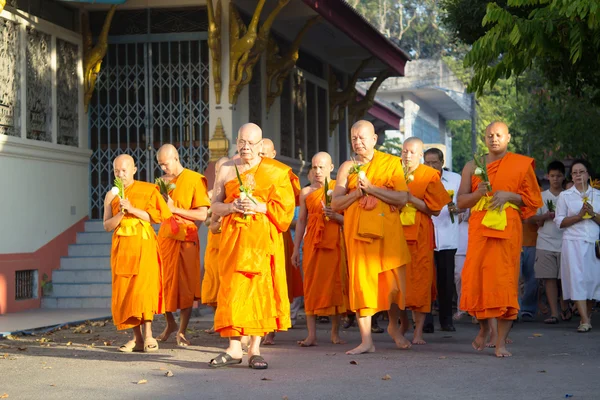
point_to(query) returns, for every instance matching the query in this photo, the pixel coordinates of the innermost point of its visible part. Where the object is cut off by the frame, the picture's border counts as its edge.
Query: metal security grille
(24, 284)
(150, 91)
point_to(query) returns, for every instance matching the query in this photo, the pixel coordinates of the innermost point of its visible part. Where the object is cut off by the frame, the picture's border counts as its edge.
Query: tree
(550, 35)
(392, 146)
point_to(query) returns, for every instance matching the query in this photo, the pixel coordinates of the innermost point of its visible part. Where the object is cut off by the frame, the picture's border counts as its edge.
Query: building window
(67, 93)
(10, 78)
(255, 95)
(425, 131)
(24, 284)
(299, 103)
(286, 120)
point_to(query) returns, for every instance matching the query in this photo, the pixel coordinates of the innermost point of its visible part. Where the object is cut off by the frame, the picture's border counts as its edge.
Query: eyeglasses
(577, 173)
(243, 143)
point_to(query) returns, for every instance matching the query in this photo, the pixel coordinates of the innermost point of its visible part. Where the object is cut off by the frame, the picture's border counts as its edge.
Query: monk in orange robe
(210, 279)
(490, 276)
(427, 196)
(370, 190)
(324, 261)
(137, 292)
(293, 276)
(255, 211)
(188, 200)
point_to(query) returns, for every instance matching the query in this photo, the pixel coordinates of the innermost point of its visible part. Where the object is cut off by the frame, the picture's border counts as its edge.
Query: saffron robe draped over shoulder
(293, 274)
(210, 280)
(253, 297)
(179, 243)
(420, 237)
(137, 291)
(324, 261)
(375, 245)
(490, 276)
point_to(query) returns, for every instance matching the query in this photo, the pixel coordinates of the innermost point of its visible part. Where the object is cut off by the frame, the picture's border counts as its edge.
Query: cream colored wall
(40, 187)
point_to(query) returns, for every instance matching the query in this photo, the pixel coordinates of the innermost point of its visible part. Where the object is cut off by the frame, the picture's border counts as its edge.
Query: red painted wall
(45, 260)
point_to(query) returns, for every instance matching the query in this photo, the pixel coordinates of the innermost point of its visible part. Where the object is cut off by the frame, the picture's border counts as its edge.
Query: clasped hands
(247, 206)
(364, 186)
(587, 208)
(499, 198)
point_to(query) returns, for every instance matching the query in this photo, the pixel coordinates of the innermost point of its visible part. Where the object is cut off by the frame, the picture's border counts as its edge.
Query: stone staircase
(84, 278)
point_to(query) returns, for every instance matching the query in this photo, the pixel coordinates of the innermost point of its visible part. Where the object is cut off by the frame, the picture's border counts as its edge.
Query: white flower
(478, 171)
(362, 175)
(115, 190)
(329, 192)
(410, 178)
(243, 196)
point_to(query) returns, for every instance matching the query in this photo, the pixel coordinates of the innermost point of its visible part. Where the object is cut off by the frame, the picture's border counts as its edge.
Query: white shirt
(549, 235)
(463, 235)
(446, 232)
(569, 204)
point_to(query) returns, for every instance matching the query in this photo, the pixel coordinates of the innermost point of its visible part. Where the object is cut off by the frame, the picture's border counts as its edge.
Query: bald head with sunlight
(412, 152)
(363, 138)
(322, 166)
(249, 142)
(268, 148)
(168, 160)
(124, 169)
(497, 137)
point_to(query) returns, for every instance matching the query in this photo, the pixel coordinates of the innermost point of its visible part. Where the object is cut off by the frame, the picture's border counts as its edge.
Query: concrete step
(76, 302)
(94, 237)
(94, 289)
(89, 250)
(81, 276)
(83, 263)
(94, 225)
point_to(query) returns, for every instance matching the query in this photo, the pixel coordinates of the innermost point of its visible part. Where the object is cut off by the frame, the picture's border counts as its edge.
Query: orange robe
(210, 280)
(490, 276)
(375, 244)
(137, 292)
(179, 243)
(253, 297)
(323, 261)
(428, 187)
(293, 274)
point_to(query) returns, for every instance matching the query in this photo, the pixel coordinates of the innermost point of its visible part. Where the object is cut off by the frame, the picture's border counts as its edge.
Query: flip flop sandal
(584, 328)
(257, 362)
(566, 315)
(150, 345)
(131, 346)
(223, 360)
(551, 321)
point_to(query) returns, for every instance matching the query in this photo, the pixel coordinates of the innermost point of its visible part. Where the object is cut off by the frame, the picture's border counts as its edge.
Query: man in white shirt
(549, 243)
(446, 241)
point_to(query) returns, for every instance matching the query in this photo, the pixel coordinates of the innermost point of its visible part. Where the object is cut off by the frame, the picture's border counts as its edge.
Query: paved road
(549, 362)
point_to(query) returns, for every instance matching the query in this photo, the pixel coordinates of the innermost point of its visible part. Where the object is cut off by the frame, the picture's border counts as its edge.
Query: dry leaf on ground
(354, 362)
(386, 377)
(22, 348)
(142, 381)
(4, 396)
(169, 374)
(537, 335)
(99, 323)
(265, 379)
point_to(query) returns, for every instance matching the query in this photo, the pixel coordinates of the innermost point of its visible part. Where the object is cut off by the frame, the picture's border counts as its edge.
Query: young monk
(427, 196)
(324, 261)
(490, 276)
(371, 189)
(179, 243)
(134, 256)
(251, 260)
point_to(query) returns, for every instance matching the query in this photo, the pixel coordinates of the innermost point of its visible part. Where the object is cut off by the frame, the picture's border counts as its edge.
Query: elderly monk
(324, 261)
(178, 239)
(370, 190)
(135, 256)
(293, 275)
(252, 301)
(490, 276)
(210, 279)
(427, 196)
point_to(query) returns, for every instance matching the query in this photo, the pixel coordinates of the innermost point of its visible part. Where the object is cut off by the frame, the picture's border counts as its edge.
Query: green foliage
(392, 146)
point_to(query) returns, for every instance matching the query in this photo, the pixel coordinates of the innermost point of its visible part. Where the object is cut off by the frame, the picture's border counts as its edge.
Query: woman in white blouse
(580, 269)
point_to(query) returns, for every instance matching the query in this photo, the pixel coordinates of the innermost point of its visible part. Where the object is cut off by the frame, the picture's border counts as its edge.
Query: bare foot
(163, 337)
(336, 340)
(182, 341)
(399, 339)
(211, 330)
(418, 340)
(509, 341)
(479, 341)
(362, 348)
(491, 344)
(502, 352)
(269, 339)
(308, 342)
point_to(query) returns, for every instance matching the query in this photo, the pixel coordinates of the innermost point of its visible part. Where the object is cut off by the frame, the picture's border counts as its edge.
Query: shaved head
(268, 148)
(412, 151)
(124, 169)
(497, 137)
(322, 166)
(249, 142)
(363, 138)
(168, 160)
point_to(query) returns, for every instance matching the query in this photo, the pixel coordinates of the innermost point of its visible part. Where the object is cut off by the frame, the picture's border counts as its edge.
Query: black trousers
(444, 266)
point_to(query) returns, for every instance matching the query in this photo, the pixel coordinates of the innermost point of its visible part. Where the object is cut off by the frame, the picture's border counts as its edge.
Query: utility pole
(473, 124)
